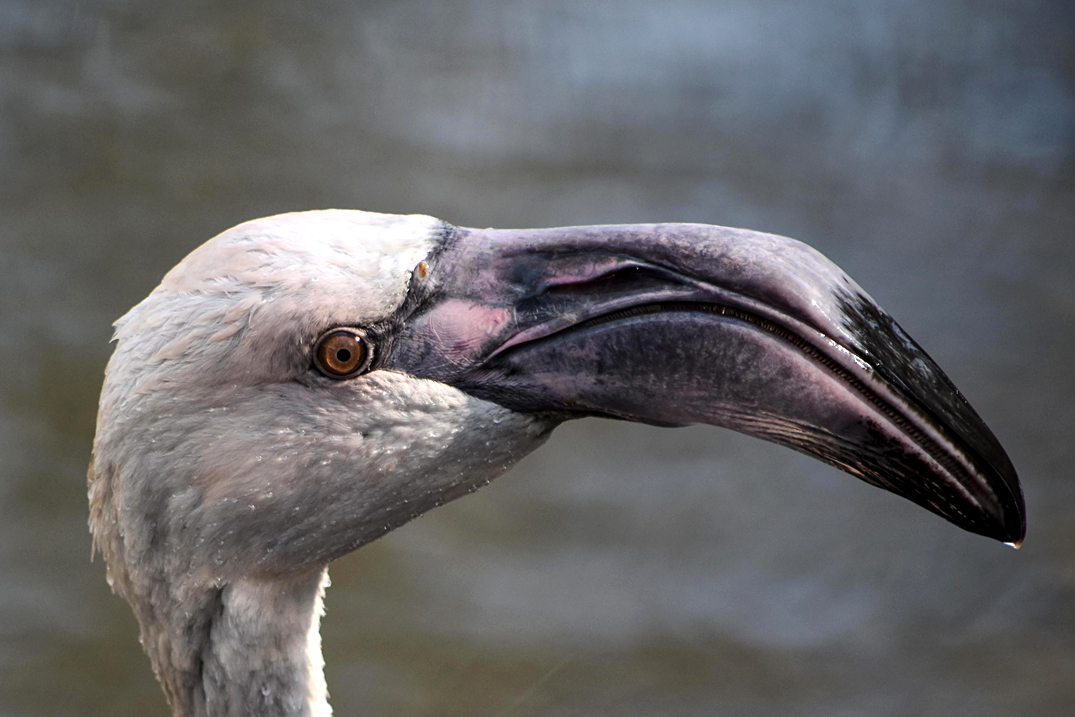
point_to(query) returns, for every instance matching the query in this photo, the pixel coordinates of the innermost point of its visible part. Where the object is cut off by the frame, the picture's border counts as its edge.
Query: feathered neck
(254, 648)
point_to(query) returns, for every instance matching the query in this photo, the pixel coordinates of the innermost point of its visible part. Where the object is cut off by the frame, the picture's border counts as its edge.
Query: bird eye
(341, 353)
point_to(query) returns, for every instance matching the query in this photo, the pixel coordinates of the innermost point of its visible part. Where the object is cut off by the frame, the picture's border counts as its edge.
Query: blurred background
(927, 146)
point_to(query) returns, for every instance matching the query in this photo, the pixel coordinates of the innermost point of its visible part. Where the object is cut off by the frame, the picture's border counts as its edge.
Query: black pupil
(343, 355)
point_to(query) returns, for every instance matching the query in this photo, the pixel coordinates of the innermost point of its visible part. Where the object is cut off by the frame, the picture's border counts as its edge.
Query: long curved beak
(684, 323)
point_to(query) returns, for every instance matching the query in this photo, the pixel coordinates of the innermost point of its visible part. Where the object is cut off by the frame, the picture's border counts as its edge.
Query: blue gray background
(926, 146)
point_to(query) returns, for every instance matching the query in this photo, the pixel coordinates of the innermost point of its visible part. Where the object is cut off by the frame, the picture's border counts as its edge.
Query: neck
(260, 652)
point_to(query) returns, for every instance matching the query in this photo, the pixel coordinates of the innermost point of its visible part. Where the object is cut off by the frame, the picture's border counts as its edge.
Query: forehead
(236, 300)
(291, 254)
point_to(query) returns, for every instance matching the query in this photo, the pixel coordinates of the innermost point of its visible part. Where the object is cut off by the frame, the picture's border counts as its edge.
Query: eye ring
(342, 353)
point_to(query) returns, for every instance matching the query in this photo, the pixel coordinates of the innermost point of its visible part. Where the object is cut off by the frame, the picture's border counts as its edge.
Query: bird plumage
(222, 470)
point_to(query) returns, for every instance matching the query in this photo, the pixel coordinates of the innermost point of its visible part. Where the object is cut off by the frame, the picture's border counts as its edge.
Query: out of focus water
(928, 147)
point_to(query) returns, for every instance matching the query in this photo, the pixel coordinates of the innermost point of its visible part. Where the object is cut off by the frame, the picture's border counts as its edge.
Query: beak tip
(1020, 534)
(1011, 523)
(1016, 515)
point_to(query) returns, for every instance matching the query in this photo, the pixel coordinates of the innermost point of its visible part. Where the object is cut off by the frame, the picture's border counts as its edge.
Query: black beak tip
(1015, 522)
(1002, 519)
(1008, 517)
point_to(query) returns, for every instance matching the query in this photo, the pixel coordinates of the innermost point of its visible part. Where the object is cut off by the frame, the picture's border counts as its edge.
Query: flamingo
(302, 384)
